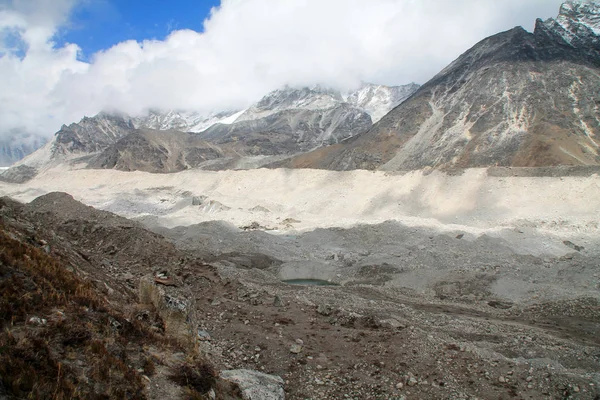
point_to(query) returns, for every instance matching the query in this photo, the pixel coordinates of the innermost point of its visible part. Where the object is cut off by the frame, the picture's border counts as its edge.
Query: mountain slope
(284, 123)
(88, 136)
(291, 120)
(185, 121)
(514, 99)
(156, 151)
(378, 100)
(76, 141)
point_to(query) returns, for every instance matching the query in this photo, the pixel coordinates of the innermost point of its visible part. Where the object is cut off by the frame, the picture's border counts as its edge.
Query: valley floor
(475, 284)
(473, 199)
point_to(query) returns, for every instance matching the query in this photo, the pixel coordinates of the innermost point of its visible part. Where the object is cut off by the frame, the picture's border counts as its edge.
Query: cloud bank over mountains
(248, 48)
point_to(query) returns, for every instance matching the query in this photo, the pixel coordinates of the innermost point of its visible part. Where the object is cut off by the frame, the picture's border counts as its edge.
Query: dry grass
(197, 378)
(81, 347)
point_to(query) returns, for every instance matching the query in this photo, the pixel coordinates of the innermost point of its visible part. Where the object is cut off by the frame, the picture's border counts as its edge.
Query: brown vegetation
(61, 339)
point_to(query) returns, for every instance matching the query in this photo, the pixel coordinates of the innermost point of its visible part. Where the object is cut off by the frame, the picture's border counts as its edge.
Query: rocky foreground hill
(515, 99)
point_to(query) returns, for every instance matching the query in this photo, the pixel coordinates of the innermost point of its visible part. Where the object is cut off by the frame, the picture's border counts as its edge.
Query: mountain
(378, 100)
(156, 151)
(514, 99)
(76, 141)
(90, 135)
(375, 100)
(16, 146)
(291, 120)
(289, 98)
(577, 25)
(185, 121)
(282, 124)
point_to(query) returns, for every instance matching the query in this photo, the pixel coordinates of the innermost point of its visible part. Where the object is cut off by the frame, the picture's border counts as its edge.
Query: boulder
(250, 385)
(176, 312)
(198, 200)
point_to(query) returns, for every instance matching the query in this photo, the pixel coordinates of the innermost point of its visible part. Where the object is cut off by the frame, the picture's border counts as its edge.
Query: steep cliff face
(514, 99)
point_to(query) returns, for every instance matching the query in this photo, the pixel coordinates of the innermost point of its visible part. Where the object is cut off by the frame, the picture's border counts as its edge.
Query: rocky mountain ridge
(577, 20)
(376, 100)
(285, 122)
(88, 136)
(156, 151)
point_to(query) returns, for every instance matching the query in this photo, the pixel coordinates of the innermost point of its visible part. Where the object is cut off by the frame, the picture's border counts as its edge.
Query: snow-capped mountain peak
(577, 20)
(186, 121)
(289, 98)
(375, 100)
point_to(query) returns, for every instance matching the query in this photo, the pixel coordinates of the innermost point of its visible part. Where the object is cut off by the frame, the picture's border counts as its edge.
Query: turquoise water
(309, 282)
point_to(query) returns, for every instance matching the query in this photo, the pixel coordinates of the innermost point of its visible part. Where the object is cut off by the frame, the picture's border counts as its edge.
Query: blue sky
(99, 24)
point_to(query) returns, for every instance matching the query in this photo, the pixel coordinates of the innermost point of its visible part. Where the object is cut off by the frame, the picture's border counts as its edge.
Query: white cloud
(249, 47)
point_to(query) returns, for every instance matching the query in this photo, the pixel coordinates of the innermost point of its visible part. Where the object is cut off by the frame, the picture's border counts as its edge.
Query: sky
(98, 24)
(61, 60)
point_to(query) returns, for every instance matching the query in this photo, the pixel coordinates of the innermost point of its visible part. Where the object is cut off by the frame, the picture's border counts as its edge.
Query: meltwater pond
(309, 282)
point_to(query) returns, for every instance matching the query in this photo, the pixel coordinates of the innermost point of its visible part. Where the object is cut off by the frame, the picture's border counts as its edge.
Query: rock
(260, 209)
(503, 305)
(251, 385)
(203, 335)
(460, 236)
(128, 276)
(324, 309)
(176, 313)
(277, 302)
(392, 323)
(400, 385)
(212, 207)
(572, 245)
(18, 174)
(37, 321)
(411, 381)
(502, 379)
(296, 349)
(255, 226)
(198, 200)
(162, 279)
